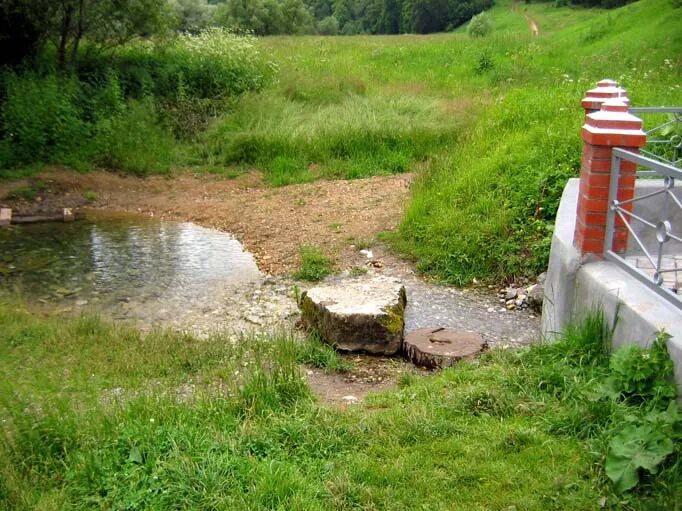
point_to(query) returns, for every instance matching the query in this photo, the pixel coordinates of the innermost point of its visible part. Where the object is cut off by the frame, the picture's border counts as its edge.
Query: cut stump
(441, 347)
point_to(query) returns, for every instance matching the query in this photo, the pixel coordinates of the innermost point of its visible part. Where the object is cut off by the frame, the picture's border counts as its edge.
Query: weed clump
(315, 266)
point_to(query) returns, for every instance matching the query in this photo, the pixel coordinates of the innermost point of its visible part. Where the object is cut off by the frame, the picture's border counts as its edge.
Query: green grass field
(100, 416)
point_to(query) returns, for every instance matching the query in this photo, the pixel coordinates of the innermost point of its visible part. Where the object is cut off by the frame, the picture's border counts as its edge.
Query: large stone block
(358, 315)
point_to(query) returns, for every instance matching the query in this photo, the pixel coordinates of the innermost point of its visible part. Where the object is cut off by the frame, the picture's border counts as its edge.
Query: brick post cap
(613, 126)
(606, 89)
(615, 105)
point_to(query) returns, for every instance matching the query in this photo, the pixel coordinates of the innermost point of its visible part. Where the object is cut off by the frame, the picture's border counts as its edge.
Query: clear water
(133, 267)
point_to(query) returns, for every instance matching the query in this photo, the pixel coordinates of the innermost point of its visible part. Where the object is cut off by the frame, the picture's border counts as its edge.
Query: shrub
(328, 26)
(41, 120)
(479, 26)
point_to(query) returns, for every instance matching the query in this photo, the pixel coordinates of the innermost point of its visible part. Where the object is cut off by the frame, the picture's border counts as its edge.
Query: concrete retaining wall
(575, 287)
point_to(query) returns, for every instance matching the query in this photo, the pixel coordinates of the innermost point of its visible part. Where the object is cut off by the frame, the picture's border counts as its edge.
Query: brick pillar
(610, 127)
(606, 89)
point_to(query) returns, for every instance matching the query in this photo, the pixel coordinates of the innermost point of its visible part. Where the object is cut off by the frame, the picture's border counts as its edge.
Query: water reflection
(145, 265)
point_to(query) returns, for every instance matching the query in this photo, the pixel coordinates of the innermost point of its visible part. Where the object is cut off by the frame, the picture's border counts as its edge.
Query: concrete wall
(575, 287)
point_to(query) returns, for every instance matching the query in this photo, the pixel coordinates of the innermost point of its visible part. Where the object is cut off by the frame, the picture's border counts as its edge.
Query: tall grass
(127, 109)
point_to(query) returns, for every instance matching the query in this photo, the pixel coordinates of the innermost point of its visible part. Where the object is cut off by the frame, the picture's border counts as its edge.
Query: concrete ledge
(564, 262)
(637, 311)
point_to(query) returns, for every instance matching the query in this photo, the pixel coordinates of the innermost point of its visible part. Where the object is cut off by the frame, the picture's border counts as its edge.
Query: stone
(5, 216)
(68, 215)
(361, 315)
(534, 296)
(510, 293)
(441, 347)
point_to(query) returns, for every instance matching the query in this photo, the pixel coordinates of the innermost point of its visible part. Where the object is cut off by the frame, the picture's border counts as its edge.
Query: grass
(99, 415)
(315, 266)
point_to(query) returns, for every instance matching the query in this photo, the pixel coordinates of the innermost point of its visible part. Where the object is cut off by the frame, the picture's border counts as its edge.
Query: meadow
(98, 415)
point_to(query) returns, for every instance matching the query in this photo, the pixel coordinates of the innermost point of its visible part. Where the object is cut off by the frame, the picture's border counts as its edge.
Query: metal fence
(658, 270)
(664, 138)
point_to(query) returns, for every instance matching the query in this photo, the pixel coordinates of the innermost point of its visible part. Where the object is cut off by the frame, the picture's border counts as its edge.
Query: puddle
(128, 267)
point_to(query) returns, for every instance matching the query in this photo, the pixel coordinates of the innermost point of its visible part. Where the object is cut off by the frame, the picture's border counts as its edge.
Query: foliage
(266, 17)
(479, 26)
(642, 445)
(108, 111)
(642, 374)
(315, 265)
(105, 23)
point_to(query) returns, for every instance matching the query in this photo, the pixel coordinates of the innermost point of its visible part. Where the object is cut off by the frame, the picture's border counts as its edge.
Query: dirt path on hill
(532, 25)
(272, 223)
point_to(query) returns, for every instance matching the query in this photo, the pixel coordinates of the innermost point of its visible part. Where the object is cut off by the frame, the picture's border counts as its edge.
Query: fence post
(611, 126)
(606, 89)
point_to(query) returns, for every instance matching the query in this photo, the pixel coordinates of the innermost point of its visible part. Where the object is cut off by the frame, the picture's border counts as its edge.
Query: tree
(192, 15)
(66, 23)
(429, 16)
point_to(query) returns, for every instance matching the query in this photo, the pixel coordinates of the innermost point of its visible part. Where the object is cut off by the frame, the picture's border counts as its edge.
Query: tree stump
(441, 347)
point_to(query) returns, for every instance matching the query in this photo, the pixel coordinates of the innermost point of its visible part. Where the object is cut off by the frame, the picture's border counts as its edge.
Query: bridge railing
(664, 137)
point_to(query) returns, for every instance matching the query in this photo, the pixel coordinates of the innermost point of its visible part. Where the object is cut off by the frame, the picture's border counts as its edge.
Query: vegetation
(314, 264)
(98, 415)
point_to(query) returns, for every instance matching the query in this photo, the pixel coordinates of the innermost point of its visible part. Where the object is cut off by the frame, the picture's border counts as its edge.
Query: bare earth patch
(272, 223)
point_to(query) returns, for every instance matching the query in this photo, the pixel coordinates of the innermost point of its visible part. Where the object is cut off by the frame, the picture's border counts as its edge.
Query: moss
(394, 321)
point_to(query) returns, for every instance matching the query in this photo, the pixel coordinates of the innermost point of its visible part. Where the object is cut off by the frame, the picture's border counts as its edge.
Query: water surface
(131, 267)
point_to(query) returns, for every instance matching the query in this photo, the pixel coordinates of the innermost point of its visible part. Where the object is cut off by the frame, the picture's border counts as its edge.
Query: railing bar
(656, 109)
(636, 238)
(676, 238)
(644, 279)
(636, 217)
(667, 123)
(642, 197)
(675, 199)
(665, 169)
(670, 270)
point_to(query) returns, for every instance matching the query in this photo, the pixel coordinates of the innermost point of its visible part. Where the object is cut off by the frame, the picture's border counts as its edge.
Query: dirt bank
(272, 223)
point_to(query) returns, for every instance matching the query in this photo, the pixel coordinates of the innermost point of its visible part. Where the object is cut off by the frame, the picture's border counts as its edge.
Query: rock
(5, 216)
(535, 295)
(441, 347)
(359, 315)
(510, 293)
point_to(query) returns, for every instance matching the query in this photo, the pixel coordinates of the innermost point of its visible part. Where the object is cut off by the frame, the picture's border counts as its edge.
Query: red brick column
(610, 127)
(606, 89)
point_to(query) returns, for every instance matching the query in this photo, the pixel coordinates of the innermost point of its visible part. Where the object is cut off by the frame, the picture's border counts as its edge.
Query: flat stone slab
(5, 216)
(358, 315)
(441, 347)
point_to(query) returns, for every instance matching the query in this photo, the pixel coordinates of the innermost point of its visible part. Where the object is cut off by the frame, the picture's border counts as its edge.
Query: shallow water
(131, 267)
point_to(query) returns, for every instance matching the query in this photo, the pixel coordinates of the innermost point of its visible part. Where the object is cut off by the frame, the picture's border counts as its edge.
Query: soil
(271, 223)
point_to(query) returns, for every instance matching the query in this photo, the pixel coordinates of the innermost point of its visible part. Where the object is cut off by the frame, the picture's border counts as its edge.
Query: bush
(88, 117)
(328, 26)
(41, 119)
(479, 26)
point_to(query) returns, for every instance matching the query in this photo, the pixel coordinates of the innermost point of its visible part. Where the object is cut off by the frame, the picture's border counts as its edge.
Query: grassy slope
(487, 210)
(493, 123)
(96, 416)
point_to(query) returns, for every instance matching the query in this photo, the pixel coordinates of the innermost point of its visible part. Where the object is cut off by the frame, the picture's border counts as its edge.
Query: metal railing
(664, 140)
(662, 225)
